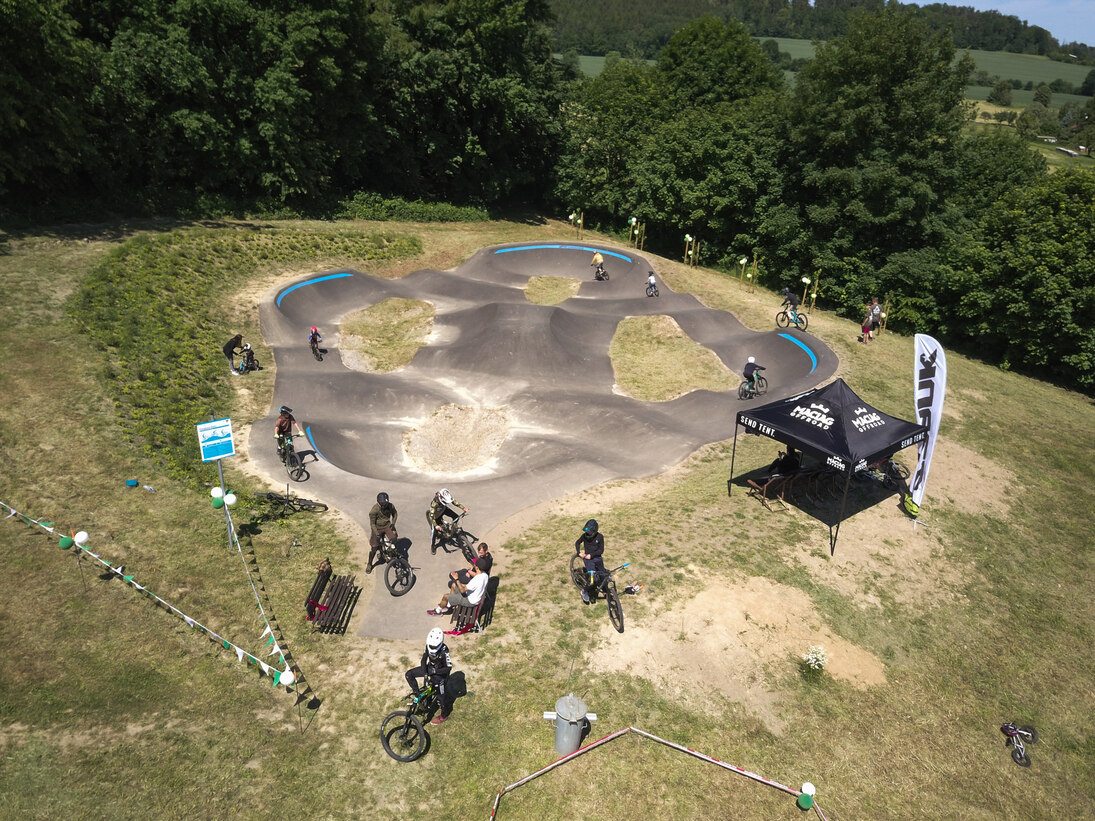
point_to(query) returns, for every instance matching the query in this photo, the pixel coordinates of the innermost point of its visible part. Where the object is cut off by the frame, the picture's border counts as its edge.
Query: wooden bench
(323, 575)
(466, 618)
(333, 614)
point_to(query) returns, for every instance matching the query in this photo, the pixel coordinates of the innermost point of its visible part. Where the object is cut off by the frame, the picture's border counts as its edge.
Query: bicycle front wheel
(615, 610)
(762, 385)
(402, 735)
(467, 545)
(398, 577)
(782, 320)
(578, 571)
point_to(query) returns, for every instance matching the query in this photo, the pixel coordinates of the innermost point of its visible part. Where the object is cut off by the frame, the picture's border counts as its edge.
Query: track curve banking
(548, 366)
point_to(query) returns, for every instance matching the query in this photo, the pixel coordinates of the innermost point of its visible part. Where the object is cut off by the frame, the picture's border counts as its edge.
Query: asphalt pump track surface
(545, 367)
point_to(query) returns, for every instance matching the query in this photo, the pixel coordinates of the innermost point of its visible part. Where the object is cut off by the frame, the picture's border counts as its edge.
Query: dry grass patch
(386, 336)
(655, 361)
(551, 290)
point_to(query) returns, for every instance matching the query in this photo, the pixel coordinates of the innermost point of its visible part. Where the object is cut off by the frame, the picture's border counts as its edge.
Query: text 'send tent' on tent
(834, 425)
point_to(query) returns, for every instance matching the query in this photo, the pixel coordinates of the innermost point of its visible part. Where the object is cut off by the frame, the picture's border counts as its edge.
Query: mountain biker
(382, 518)
(436, 666)
(751, 371)
(314, 336)
(230, 347)
(442, 506)
(283, 427)
(591, 547)
(598, 265)
(651, 284)
(790, 300)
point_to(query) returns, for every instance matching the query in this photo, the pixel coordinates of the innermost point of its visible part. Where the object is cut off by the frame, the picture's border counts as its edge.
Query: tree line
(613, 25)
(208, 103)
(864, 177)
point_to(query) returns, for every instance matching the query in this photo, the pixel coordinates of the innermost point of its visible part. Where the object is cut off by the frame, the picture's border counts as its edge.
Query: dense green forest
(613, 25)
(865, 177)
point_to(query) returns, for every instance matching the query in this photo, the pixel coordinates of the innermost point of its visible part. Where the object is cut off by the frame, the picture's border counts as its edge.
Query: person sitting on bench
(484, 561)
(469, 594)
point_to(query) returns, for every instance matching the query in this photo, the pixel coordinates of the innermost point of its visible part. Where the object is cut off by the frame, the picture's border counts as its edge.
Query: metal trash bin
(570, 721)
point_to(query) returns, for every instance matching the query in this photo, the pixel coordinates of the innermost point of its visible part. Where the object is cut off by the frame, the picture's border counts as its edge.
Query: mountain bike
(606, 586)
(398, 574)
(283, 504)
(599, 273)
(289, 457)
(316, 352)
(652, 289)
(453, 535)
(889, 473)
(401, 731)
(1017, 739)
(792, 317)
(748, 390)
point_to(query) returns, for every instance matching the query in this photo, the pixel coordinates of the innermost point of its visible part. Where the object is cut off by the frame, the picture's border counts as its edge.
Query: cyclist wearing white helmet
(436, 666)
(751, 371)
(442, 506)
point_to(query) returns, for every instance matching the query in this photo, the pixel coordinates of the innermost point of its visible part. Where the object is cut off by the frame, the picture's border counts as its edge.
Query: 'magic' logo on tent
(816, 414)
(865, 420)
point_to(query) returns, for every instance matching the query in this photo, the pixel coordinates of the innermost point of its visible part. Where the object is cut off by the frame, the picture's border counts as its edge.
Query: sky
(1070, 21)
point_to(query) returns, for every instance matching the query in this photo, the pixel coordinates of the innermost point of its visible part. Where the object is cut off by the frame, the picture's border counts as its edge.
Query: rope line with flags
(286, 676)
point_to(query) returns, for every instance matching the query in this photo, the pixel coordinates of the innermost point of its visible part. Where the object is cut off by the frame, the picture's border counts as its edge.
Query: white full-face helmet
(434, 639)
(445, 496)
(752, 360)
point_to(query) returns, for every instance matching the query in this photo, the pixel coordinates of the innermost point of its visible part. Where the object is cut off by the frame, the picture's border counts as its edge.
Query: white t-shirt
(477, 588)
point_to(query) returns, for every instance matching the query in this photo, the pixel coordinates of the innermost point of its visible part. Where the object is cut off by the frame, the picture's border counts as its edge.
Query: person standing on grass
(230, 347)
(876, 316)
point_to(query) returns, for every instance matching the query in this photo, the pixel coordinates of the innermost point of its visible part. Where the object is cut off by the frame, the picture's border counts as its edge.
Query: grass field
(113, 708)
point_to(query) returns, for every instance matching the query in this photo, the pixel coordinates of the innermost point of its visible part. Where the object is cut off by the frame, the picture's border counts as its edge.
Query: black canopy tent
(834, 425)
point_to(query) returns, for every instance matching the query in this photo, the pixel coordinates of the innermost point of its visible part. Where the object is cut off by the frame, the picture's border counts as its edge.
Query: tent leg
(833, 536)
(733, 454)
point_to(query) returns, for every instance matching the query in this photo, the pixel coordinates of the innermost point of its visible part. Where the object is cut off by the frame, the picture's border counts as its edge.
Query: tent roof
(833, 423)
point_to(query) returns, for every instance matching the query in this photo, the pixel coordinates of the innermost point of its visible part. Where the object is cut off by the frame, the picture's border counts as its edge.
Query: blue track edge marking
(311, 441)
(290, 290)
(805, 347)
(566, 248)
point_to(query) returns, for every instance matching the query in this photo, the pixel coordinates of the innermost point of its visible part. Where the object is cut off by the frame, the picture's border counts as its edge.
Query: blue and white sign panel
(215, 439)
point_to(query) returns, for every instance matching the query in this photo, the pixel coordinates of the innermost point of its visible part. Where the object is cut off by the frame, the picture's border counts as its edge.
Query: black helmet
(786, 290)
(286, 409)
(382, 499)
(591, 527)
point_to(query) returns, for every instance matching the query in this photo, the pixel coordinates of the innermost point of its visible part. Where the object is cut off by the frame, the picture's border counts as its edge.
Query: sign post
(216, 443)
